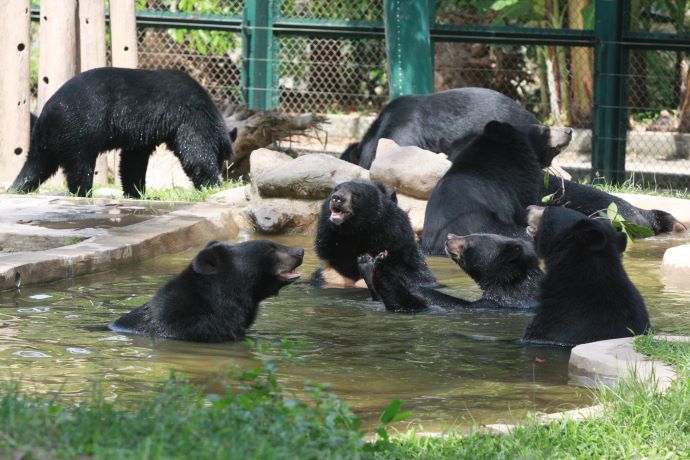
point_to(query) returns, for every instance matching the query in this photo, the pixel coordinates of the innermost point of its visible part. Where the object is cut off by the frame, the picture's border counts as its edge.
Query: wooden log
(123, 33)
(15, 20)
(92, 51)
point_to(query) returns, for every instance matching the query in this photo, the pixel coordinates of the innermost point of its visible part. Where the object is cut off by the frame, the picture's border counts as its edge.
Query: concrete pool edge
(193, 224)
(604, 362)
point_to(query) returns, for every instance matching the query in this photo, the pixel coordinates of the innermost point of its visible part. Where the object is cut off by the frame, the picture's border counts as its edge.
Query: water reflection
(459, 367)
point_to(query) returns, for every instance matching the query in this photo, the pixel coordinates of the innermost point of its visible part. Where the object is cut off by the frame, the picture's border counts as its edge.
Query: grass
(169, 194)
(259, 419)
(646, 188)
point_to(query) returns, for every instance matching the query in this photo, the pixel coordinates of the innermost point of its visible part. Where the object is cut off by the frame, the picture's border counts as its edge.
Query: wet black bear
(507, 270)
(130, 109)
(363, 217)
(216, 298)
(585, 295)
(422, 120)
(588, 200)
(490, 183)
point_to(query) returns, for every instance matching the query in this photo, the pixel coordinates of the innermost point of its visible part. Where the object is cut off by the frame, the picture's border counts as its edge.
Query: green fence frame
(410, 30)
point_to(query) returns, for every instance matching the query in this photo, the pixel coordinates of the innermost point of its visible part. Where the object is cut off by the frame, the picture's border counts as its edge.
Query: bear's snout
(455, 245)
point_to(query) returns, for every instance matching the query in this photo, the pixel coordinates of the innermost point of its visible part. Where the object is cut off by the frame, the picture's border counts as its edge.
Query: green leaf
(391, 411)
(546, 178)
(612, 213)
(637, 231)
(546, 199)
(402, 416)
(383, 434)
(588, 16)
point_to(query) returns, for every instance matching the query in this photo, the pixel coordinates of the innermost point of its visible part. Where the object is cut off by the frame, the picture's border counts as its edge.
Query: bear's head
(665, 223)
(357, 201)
(559, 230)
(492, 260)
(545, 141)
(260, 267)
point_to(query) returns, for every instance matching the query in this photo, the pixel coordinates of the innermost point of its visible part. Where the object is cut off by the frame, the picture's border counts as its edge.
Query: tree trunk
(684, 125)
(123, 33)
(581, 65)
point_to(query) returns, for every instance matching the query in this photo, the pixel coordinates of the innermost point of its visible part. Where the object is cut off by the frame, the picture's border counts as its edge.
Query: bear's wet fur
(585, 295)
(506, 269)
(216, 297)
(422, 119)
(493, 178)
(363, 217)
(130, 109)
(589, 200)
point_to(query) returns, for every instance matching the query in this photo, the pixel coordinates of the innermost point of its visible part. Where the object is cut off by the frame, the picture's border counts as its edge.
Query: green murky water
(450, 368)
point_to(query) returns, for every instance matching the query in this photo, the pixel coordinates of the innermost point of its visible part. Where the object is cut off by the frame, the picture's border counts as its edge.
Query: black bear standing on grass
(492, 180)
(133, 110)
(585, 295)
(216, 298)
(507, 270)
(363, 217)
(423, 120)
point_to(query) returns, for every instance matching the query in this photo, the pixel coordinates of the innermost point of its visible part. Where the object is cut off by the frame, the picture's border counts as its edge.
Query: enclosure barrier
(342, 56)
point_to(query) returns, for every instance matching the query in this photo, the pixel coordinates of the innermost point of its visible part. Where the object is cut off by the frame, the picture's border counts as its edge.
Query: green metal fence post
(257, 54)
(609, 129)
(408, 47)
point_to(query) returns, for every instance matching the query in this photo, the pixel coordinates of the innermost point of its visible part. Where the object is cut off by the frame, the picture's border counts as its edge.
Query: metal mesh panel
(217, 69)
(657, 141)
(371, 10)
(332, 75)
(217, 7)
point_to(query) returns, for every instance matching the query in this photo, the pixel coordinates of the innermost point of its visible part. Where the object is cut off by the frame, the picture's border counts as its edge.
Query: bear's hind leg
(133, 165)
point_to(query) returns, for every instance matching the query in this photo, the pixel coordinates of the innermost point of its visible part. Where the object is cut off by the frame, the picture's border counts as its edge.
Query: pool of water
(449, 367)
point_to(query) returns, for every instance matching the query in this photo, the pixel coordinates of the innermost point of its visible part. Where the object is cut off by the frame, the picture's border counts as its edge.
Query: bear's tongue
(289, 275)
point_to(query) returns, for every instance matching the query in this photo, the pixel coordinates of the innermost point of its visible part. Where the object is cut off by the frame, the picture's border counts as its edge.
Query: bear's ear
(498, 131)
(208, 260)
(621, 241)
(595, 239)
(443, 146)
(512, 252)
(233, 134)
(391, 194)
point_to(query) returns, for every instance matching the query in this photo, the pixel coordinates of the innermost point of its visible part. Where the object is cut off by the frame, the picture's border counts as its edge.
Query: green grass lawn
(259, 419)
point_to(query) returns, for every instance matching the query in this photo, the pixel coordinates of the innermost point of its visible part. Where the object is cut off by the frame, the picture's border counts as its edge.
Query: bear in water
(493, 178)
(216, 298)
(130, 109)
(507, 270)
(585, 295)
(363, 217)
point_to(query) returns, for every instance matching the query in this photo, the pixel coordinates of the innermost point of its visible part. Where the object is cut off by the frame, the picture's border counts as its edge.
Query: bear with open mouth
(216, 297)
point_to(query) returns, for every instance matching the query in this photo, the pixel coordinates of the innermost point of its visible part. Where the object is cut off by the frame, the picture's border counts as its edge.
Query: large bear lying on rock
(490, 183)
(588, 200)
(423, 120)
(363, 217)
(216, 298)
(133, 110)
(506, 269)
(585, 295)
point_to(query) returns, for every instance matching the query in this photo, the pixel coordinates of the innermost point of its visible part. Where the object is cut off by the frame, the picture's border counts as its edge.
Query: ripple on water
(30, 354)
(33, 310)
(78, 351)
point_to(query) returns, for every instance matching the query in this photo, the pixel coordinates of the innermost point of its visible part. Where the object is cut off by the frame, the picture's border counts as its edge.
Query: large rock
(411, 170)
(675, 268)
(415, 208)
(310, 176)
(282, 215)
(262, 160)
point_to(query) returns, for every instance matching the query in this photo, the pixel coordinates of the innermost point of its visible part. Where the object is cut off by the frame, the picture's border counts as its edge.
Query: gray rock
(282, 215)
(310, 176)
(108, 193)
(262, 160)
(411, 170)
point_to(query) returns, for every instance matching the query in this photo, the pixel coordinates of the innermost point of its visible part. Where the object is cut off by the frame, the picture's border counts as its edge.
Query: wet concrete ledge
(167, 230)
(606, 362)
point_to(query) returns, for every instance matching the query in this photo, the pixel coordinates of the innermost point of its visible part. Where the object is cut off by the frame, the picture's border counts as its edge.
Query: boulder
(675, 268)
(262, 160)
(282, 215)
(411, 170)
(415, 208)
(310, 176)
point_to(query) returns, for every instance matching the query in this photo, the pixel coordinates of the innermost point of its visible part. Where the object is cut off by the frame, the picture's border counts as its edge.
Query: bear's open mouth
(338, 214)
(290, 275)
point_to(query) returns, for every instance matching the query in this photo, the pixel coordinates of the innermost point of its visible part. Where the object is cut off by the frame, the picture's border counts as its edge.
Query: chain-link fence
(347, 73)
